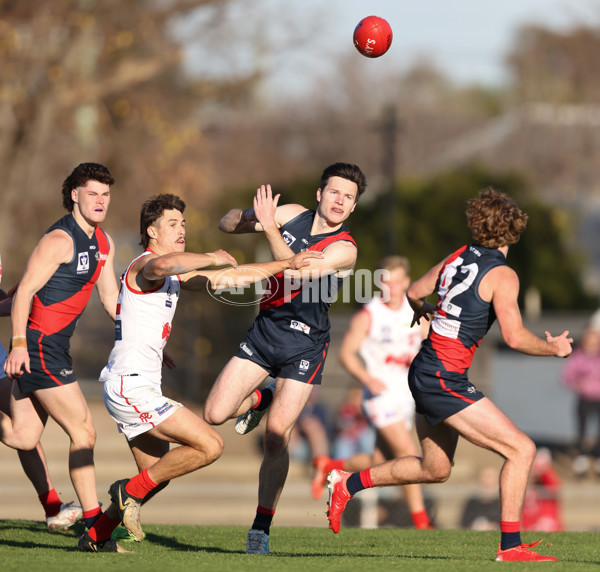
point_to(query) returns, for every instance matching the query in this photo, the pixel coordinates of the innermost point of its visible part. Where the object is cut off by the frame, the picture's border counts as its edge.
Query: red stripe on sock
(365, 478)
(263, 510)
(92, 513)
(259, 395)
(509, 526)
(140, 485)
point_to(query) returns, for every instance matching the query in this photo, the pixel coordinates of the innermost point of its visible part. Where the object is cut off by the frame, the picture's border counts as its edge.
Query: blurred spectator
(354, 433)
(311, 435)
(482, 511)
(581, 373)
(542, 508)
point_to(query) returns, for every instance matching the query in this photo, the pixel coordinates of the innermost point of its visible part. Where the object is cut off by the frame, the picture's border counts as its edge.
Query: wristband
(19, 342)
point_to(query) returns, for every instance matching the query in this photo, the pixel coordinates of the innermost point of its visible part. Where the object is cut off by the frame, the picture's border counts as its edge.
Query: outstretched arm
(503, 283)
(246, 273)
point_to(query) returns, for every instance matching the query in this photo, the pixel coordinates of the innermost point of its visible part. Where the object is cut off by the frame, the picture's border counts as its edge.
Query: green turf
(26, 545)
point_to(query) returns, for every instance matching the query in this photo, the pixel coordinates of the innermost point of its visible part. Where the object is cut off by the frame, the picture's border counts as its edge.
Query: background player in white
(289, 338)
(474, 286)
(150, 289)
(377, 350)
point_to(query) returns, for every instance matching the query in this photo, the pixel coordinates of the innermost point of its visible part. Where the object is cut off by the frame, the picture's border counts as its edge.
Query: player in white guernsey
(150, 289)
(381, 334)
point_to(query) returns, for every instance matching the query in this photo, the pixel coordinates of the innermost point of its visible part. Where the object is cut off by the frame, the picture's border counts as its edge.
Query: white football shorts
(136, 404)
(389, 407)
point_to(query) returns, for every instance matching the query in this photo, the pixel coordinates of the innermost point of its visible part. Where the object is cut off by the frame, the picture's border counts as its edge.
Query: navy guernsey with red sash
(294, 313)
(57, 306)
(461, 317)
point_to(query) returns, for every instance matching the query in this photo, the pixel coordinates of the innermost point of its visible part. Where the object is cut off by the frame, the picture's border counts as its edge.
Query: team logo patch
(296, 325)
(66, 372)
(472, 390)
(83, 262)
(289, 239)
(304, 365)
(145, 417)
(164, 408)
(244, 347)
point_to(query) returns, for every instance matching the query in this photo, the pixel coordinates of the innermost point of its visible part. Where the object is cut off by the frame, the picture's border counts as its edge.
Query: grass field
(29, 546)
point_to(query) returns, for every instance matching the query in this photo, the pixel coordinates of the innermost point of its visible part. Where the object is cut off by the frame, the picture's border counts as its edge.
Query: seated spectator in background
(311, 434)
(542, 509)
(354, 433)
(482, 511)
(581, 373)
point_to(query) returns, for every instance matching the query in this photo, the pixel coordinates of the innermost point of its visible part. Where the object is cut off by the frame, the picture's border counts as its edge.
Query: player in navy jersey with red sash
(474, 287)
(290, 337)
(72, 257)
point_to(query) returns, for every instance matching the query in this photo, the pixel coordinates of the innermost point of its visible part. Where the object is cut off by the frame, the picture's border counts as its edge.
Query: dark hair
(152, 210)
(79, 177)
(345, 171)
(495, 219)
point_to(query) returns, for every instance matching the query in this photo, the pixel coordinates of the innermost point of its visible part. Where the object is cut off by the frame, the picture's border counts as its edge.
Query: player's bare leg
(68, 407)
(24, 426)
(394, 441)
(233, 392)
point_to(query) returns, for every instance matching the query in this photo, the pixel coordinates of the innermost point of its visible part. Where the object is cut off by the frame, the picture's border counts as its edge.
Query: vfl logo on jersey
(83, 262)
(289, 239)
(244, 347)
(304, 365)
(296, 325)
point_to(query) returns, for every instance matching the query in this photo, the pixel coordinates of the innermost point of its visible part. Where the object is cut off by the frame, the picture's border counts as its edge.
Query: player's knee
(438, 473)
(213, 447)
(213, 416)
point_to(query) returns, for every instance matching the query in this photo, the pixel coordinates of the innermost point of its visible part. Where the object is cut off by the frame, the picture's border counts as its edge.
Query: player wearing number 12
(474, 287)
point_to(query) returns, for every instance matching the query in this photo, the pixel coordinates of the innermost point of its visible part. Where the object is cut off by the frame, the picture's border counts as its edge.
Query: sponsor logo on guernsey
(304, 365)
(245, 348)
(66, 372)
(445, 327)
(164, 408)
(289, 238)
(83, 262)
(474, 251)
(296, 325)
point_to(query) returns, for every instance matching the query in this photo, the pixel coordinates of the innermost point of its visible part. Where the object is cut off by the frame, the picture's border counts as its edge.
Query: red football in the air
(373, 36)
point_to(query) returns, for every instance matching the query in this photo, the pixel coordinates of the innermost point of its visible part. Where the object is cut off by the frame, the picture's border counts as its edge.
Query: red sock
(335, 464)
(51, 502)
(103, 528)
(140, 485)
(420, 519)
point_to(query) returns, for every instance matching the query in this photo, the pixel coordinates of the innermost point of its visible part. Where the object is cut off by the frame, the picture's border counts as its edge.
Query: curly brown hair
(495, 219)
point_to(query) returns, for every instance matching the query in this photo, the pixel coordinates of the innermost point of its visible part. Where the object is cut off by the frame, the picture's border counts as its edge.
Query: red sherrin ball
(373, 36)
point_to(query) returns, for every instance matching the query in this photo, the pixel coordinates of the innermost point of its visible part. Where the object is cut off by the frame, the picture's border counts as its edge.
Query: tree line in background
(107, 81)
